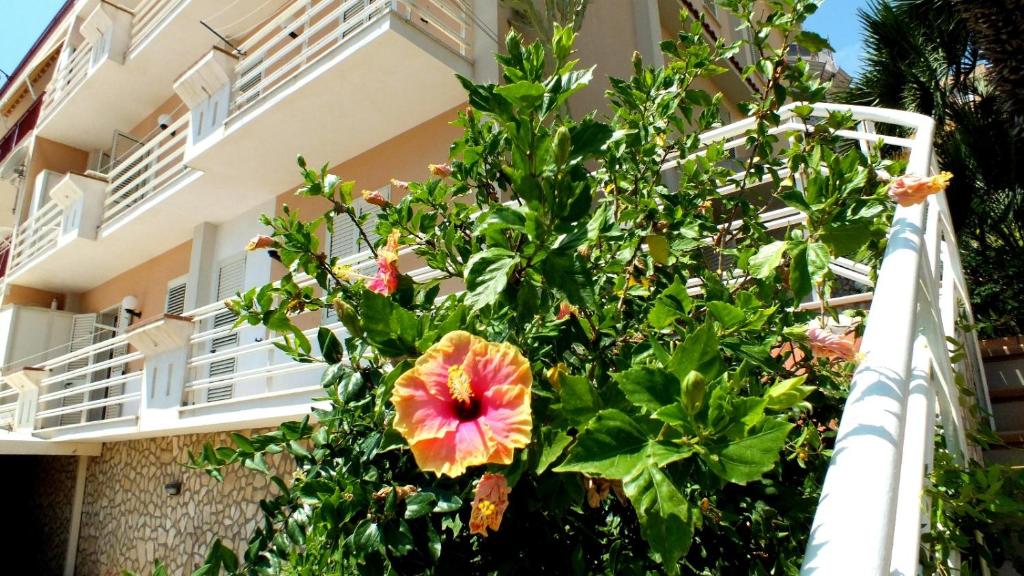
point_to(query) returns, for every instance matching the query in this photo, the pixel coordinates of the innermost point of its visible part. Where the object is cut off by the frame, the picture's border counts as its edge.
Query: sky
(837, 20)
(21, 22)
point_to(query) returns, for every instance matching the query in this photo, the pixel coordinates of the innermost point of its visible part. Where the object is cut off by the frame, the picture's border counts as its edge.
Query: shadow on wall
(38, 493)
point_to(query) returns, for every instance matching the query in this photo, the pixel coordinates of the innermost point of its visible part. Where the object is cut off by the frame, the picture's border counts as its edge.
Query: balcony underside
(384, 80)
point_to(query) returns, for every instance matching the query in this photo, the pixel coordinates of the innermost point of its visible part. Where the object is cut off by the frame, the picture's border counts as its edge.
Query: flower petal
(450, 351)
(422, 411)
(505, 412)
(490, 364)
(451, 454)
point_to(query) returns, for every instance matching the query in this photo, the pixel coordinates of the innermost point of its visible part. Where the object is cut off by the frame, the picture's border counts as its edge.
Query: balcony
(92, 390)
(361, 71)
(61, 246)
(130, 57)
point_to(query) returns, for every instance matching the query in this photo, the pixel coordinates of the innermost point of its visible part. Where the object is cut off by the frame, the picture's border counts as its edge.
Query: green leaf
(487, 274)
(554, 443)
(767, 260)
(846, 239)
(818, 259)
(666, 519)
(389, 327)
(579, 403)
(699, 351)
(419, 504)
(787, 393)
(812, 41)
(671, 305)
(367, 536)
(799, 276)
(614, 445)
(330, 346)
(727, 314)
(649, 388)
(525, 94)
(747, 459)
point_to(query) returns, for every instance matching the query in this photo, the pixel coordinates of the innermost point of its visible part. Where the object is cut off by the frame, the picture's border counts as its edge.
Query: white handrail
(871, 511)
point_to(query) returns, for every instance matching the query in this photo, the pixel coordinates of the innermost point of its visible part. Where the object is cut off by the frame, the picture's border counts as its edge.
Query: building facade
(142, 141)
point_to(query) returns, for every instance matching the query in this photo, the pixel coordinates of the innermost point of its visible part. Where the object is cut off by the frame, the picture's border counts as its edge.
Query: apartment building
(142, 140)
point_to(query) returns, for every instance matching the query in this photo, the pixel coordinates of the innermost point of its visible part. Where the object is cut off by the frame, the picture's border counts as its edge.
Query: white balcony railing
(36, 235)
(147, 19)
(8, 404)
(309, 29)
(68, 77)
(146, 170)
(99, 382)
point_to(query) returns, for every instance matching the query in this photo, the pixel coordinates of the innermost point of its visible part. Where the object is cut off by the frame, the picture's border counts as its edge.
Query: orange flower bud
(260, 242)
(440, 170)
(375, 197)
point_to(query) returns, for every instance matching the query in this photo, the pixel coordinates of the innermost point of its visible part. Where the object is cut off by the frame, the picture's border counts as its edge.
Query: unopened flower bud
(375, 197)
(440, 170)
(562, 145)
(693, 391)
(260, 242)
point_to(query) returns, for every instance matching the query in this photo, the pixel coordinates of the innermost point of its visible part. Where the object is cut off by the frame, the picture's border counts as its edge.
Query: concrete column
(484, 46)
(201, 266)
(71, 554)
(647, 24)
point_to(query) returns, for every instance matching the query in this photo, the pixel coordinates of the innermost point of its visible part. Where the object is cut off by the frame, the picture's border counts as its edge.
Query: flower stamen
(459, 385)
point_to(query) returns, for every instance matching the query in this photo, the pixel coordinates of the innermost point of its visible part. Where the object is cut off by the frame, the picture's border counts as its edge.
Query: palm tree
(926, 56)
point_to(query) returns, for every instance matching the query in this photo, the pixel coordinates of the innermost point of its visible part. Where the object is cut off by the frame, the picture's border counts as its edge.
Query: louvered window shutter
(230, 279)
(175, 303)
(83, 329)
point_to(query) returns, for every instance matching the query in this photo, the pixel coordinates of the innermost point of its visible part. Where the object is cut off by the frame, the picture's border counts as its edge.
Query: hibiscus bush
(598, 363)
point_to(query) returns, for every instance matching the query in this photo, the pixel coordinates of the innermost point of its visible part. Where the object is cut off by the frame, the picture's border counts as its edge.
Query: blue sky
(23, 20)
(837, 21)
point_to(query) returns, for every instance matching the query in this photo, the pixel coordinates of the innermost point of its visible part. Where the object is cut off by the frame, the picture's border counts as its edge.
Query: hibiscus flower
(386, 280)
(466, 402)
(489, 504)
(910, 190)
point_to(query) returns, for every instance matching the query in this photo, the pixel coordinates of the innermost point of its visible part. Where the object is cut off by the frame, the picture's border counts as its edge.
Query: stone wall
(128, 520)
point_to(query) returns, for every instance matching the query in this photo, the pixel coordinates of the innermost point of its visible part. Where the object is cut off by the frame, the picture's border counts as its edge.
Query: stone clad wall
(128, 520)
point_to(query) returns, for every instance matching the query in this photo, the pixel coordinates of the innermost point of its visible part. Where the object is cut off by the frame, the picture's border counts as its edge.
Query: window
(83, 327)
(230, 280)
(175, 303)
(346, 240)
